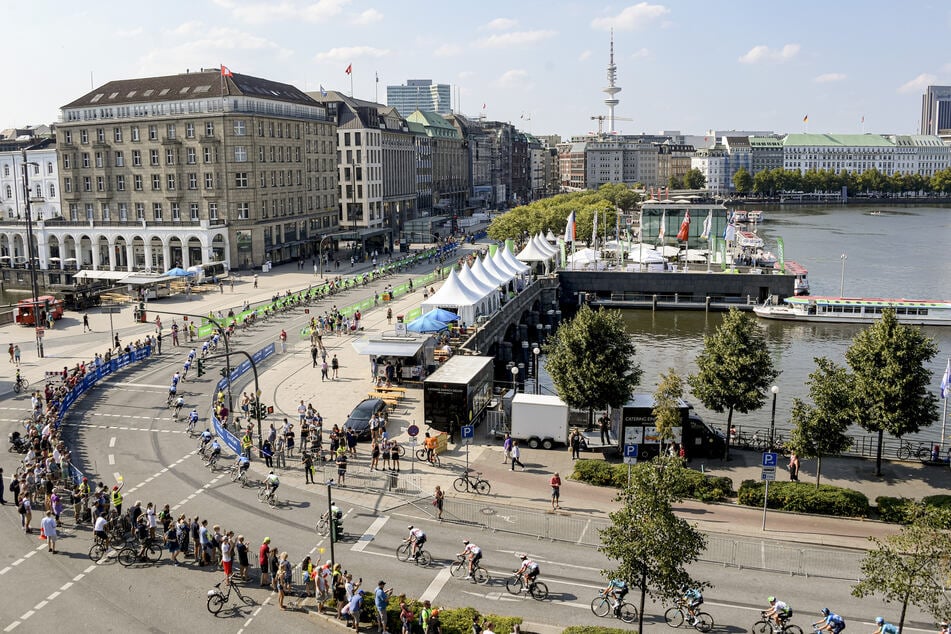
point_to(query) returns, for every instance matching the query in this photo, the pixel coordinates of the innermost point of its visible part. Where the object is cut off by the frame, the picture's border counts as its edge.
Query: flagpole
(351, 82)
(945, 389)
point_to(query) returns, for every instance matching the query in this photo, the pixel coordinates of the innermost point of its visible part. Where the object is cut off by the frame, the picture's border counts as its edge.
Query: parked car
(359, 419)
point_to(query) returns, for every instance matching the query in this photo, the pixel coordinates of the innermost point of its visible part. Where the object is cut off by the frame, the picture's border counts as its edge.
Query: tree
(735, 369)
(891, 389)
(650, 545)
(820, 429)
(764, 183)
(675, 182)
(666, 411)
(911, 567)
(694, 179)
(743, 181)
(620, 195)
(591, 361)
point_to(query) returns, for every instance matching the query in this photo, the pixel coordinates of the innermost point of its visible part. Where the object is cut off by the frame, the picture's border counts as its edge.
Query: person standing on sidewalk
(86, 323)
(605, 425)
(283, 338)
(516, 453)
(335, 366)
(794, 467)
(48, 526)
(555, 483)
(308, 468)
(439, 499)
(506, 448)
(313, 355)
(16, 355)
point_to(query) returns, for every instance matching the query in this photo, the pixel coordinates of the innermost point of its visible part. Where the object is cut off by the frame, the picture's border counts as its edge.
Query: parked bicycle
(537, 589)
(468, 482)
(766, 626)
(129, 554)
(908, 450)
(679, 615)
(218, 598)
(460, 568)
(404, 553)
(606, 603)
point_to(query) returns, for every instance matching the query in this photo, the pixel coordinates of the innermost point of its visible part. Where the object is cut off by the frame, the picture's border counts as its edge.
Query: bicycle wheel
(792, 629)
(704, 622)
(424, 558)
(539, 591)
(481, 575)
(402, 552)
(600, 606)
(903, 452)
(261, 494)
(153, 552)
(401, 450)
(514, 585)
(323, 527)
(762, 627)
(235, 474)
(483, 487)
(421, 455)
(17, 387)
(628, 613)
(96, 551)
(458, 569)
(215, 603)
(272, 501)
(127, 556)
(674, 617)
(923, 454)
(460, 484)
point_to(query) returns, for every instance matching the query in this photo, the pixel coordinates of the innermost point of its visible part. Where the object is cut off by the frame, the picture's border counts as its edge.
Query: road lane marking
(66, 586)
(27, 614)
(437, 584)
(40, 605)
(53, 595)
(112, 442)
(6, 570)
(11, 627)
(112, 459)
(369, 535)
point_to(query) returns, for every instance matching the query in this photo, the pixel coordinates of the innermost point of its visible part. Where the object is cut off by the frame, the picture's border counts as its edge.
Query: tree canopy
(670, 389)
(743, 181)
(891, 381)
(590, 359)
(694, 179)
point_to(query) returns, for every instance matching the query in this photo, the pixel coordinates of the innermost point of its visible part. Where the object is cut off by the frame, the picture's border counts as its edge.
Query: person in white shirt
(48, 525)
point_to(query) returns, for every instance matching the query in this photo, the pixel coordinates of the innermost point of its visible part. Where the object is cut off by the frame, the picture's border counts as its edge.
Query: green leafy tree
(694, 179)
(652, 547)
(891, 389)
(910, 568)
(735, 369)
(590, 359)
(764, 183)
(620, 195)
(743, 181)
(670, 389)
(675, 182)
(820, 429)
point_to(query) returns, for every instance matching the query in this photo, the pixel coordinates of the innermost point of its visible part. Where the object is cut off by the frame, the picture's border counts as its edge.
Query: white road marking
(27, 614)
(78, 577)
(369, 535)
(11, 627)
(112, 442)
(112, 459)
(66, 586)
(53, 595)
(437, 584)
(90, 569)
(117, 475)
(6, 570)
(40, 605)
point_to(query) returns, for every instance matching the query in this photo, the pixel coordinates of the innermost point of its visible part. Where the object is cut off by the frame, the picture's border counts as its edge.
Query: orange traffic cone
(42, 533)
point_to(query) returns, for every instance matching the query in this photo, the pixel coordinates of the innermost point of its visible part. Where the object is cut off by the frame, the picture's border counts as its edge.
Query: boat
(801, 281)
(756, 215)
(857, 310)
(739, 215)
(748, 240)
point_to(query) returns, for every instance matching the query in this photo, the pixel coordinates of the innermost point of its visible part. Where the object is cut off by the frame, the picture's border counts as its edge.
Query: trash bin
(399, 319)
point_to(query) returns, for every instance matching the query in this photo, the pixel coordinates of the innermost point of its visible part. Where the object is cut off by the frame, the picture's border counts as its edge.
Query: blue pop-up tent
(443, 315)
(427, 323)
(179, 272)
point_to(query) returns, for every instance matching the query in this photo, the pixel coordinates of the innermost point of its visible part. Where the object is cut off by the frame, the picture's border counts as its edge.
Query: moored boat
(854, 310)
(756, 215)
(801, 282)
(748, 240)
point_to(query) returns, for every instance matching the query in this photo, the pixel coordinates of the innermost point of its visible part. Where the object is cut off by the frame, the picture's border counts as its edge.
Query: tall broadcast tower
(611, 89)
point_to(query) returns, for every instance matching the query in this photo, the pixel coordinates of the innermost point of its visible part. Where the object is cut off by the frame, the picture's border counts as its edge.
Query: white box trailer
(540, 420)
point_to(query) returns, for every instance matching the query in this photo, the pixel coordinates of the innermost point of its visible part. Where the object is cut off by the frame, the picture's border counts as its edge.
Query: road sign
(769, 474)
(111, 309)
(468, 432)
(770, 459)
(413, 431)
(630, 454)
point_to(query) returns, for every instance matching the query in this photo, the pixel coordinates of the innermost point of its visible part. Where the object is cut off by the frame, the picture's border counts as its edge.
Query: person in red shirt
(555, 483)
(263, 560)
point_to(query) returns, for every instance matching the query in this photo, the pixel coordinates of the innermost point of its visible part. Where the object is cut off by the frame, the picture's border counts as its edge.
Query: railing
(773, 556)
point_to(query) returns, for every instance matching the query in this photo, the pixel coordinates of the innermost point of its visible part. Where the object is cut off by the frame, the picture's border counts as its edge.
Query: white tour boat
(852, 310)
(801, 281)
(756, 216)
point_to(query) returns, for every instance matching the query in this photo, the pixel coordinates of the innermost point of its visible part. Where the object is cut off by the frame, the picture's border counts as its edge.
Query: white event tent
(488, 291)
(455, 296)
(533, 253)
(500, 268)
(542, 244)
(506, 256)
(489, 277)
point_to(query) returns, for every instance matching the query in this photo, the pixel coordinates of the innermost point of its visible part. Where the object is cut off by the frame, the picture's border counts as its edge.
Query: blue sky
(683, 65)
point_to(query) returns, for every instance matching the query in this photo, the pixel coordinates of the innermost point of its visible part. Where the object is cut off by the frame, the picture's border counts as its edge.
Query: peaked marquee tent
(455, 296)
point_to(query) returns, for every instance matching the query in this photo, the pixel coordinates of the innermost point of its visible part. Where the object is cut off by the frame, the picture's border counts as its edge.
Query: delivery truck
(539, 420)
(634, 425)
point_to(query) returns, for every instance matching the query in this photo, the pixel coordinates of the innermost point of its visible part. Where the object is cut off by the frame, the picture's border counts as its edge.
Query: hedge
(904, 510)
(454, 620)
(805, 498)
(595, 629)
(700, 486)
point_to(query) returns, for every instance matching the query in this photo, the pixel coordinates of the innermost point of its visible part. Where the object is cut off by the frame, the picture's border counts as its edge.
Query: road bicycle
(467, 482)
(605, 604)
(422, 558)
(211, 461)
(239, 475)
(423, 456)
(129, 554)
(218, 598)
(20, 385)
(99, 549)
(266, 494)
(537, 589)
(767, 626)
(460, 568)
(678, 615)
(907, 451)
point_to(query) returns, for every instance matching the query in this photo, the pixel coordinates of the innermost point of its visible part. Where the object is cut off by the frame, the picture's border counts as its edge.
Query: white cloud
(367, 17)
(827, 78)
(513, 77)
(636, 16)
(209, 43)
(465, 74)
(764, 53)
(447, 50)
(919, 83)
(516, 38)
(348, 53)
(129, 33)
(191, 27)
(641, 52)
(287, 10)
(500, 24)
(584, 55)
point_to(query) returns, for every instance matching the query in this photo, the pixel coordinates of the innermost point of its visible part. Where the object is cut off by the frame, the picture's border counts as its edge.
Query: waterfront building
(714, 164)
(626, 159)
(673, 161)
(42, 180)
(766, 153)
(420, 94)
(936, 112)
(921, 154)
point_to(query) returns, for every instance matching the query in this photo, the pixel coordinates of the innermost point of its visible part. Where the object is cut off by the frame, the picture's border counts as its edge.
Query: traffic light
(336, 528)
(201, 367)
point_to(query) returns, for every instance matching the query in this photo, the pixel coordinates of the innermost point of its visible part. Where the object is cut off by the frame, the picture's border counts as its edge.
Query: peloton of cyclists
(528, 571)
(417, 537)
(472, 553)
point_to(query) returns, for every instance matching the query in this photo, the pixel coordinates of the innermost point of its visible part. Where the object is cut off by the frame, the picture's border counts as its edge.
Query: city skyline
(681, 66)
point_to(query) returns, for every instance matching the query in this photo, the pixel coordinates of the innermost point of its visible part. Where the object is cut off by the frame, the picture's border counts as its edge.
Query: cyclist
(185, 368)
(179, 404)
(885, 628)
(141, 529)
(243, 463)
(192, 420)
(692, 599)
(99, 530)
(206, 437)
(617, 589)
(417, 537)
(19, 379)
(204, 350)
(172, 391)
(176, 378)
(778, 611)
(831, 623)
(472, 553)
(528, 571)
(215, 452)
(192, 354)
(271, 482)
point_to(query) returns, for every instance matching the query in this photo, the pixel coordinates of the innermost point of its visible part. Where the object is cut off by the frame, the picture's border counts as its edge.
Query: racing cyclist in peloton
(528, 571)
(215, 452)
(617, 589)
(179, 404)
(192, 420)
(417, 537)
(693, 599)
(473, 554)
(206, 437)
(883, 627)
(271, 482)
(778, 611)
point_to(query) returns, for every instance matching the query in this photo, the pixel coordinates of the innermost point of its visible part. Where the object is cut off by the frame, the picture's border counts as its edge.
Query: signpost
(412, 431)
(630, 459)
(770, 460)
(468, 433)
(111, 310)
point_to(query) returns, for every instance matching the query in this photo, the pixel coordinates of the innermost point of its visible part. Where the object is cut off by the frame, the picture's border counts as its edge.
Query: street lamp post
(515, 378)
(842, 257)
(772, 420)
(536, 351)
(320, 256)
(31, 255)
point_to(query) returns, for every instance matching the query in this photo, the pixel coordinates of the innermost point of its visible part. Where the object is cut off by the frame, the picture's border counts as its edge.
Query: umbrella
(443, 315)
(179, 272)
(426, 323)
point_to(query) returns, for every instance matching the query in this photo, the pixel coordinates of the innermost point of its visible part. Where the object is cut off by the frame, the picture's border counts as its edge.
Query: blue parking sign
(468, 431)
(770, 459)
(630, 451)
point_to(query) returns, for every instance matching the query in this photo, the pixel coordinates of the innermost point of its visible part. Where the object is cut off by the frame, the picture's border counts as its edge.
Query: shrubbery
(595, 629)
(699, 485)
(905, 510)
(454, 620)
(805, 498)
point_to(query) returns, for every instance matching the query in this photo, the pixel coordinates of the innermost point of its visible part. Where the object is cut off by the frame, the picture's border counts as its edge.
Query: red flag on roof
(226, 72)
(349, 69)
(684, 228)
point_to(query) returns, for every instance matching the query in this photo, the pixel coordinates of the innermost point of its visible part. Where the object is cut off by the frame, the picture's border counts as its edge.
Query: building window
(189, 130)
(137, 182)
(100, 135)
(135, 133)
(136, 158)
(262, 178)
(9, 192)
(170, 178)
(156, 211)
(123, 212)
(66, 162)
(170, 130)
(213, 211)
(192, 180)
(153, 133)
(156, 182)
(74, 211)
(98, 159)
(85, 156)
(241, 179)
(106, 213)
(67, 185)
(193, 210)
(52, 190)
(140, 211)
(240, 154)
(207, 155)
(89, 211)
(239, 127)
(120, 183)
(100, 184)
(84, 137)
(117, 135)
(263, 209)
(191, 156)
(243, 211)
(119, 159)
(153, 157)
(261, 153)
(176, 212)
(87, 184)
(49, 167)
(67, 138)
(209, 128)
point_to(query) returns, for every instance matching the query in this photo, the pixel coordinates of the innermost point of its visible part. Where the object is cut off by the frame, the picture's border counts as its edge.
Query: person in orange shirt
(430, 444)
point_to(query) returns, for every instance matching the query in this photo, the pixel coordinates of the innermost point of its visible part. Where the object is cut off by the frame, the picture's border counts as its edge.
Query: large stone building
(450, 156)
(572, 166)
(673, 161)
(186, 169)
(854, 153)
(626, 159)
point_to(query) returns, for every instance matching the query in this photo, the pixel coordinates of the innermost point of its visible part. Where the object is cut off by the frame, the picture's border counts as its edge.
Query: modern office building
(766, 153)
(936, 111)
(420, 94)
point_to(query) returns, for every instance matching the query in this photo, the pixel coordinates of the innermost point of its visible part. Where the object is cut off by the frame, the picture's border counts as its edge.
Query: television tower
(611, 89)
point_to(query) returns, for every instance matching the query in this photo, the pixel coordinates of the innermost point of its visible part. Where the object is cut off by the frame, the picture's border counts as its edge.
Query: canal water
(892, 252)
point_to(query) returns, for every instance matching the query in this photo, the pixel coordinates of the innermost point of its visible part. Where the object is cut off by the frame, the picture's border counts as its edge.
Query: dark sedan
(359, 419)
